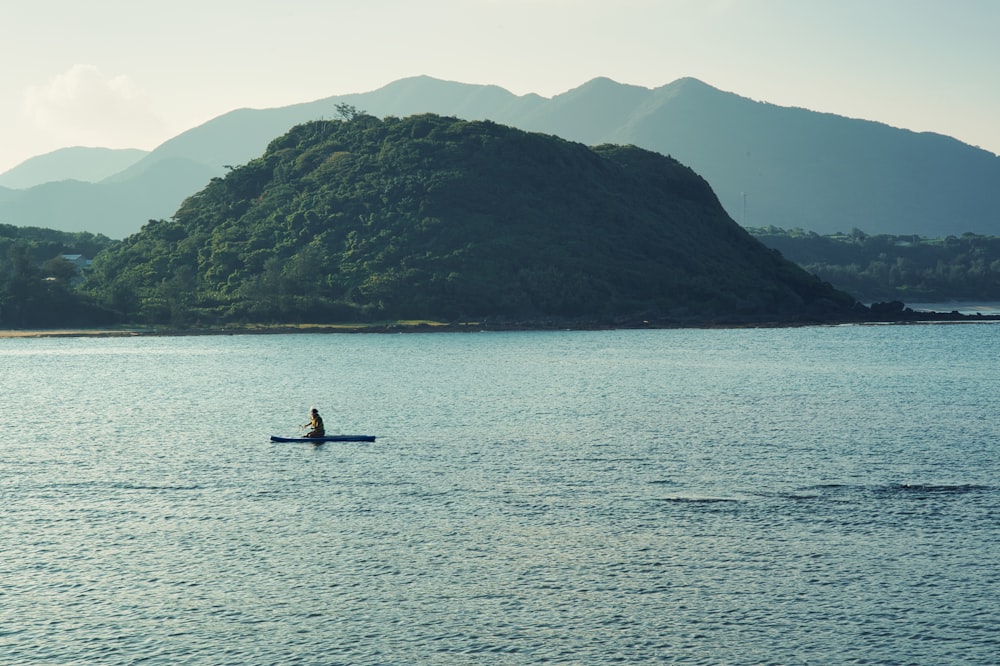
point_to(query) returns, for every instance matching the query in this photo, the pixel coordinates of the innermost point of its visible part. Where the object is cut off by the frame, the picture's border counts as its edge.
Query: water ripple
(766, 497)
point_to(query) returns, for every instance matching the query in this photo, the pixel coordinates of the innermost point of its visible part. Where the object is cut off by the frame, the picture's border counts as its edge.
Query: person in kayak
(316, 424)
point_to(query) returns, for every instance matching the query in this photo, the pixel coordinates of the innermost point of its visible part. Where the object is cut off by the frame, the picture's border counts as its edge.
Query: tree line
(41, 289)
(881, 267)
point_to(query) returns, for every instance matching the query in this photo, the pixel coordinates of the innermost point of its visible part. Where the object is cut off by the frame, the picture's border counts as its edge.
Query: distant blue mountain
(89, 165)
(113, 209)
(769, 165)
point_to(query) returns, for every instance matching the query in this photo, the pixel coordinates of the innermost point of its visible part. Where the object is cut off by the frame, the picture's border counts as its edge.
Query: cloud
(83, 106)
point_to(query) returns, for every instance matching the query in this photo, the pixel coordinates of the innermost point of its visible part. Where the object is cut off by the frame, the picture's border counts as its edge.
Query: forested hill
(437, 218)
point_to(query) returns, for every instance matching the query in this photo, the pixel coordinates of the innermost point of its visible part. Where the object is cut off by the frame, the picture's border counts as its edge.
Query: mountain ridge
(82, 163)
(770, 165)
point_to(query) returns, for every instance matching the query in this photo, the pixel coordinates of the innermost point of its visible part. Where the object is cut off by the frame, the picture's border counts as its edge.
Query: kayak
(327, 438)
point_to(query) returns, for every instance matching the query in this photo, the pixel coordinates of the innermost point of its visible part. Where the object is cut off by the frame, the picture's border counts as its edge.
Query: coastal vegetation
(39, 285)
(428, 217)
(437, 219)
(909, 268)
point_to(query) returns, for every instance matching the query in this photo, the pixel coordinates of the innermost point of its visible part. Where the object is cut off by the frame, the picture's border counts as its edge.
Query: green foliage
(347, 111)
(43, 244)
(439, 218)
(892, 267)
(37, 286)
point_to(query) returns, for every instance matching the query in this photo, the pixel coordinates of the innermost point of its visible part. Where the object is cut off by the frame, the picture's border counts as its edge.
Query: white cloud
(83, 106)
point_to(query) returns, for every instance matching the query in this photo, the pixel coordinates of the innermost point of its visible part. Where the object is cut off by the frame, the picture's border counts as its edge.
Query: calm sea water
(823, 495)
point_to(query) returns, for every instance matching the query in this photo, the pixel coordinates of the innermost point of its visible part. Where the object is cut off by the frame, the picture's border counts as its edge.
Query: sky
(134, 73)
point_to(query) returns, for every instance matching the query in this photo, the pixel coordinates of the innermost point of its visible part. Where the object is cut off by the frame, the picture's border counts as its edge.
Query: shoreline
(66, 333)
(902, 318)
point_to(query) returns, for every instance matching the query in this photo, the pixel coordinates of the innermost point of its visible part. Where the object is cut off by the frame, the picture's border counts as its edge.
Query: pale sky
(134, 73)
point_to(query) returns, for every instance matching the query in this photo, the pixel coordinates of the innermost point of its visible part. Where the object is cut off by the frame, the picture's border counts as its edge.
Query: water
(964, 307)
(819, 495)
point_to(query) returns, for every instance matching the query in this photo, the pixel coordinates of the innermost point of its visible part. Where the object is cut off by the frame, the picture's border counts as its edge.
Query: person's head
(315, 412)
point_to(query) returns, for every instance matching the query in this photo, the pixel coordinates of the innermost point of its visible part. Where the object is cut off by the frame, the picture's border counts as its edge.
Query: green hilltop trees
(437, 218)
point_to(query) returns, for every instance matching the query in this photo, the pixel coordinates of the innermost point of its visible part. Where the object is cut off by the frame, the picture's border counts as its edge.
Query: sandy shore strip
(423, 326)
(68, 333)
